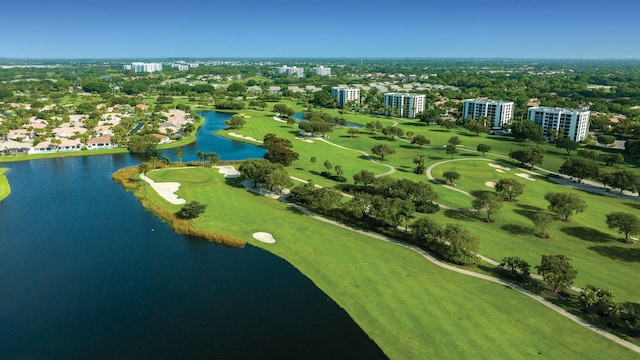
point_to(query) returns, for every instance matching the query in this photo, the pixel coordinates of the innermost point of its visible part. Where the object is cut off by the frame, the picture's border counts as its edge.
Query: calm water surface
(86, 273)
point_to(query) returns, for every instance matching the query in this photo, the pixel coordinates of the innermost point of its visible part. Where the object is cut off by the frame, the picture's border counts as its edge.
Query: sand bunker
(490, 184)
(500, 171)
(305, 140)
(245, 137)
(277, 118)
(228, 171)
(496, 166)
(166, 189)
(526, 176)
(264, 237)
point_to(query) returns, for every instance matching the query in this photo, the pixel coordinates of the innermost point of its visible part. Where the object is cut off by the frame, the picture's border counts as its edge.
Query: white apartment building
(404, 104)
(499, 112)
(293, 70)
(570, 123)
(145, 67)
(321, 70)
(345, 94)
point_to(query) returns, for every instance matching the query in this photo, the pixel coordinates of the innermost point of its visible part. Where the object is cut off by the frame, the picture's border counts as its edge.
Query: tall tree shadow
(515, 229)
(618, 253)
(588, 234)
(460, 215)
(633, 205)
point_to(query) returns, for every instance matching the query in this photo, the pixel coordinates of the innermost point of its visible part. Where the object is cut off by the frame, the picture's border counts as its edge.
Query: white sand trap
(166, 189)
(500, 171)
(526, 176)
(305, 140)
(264, 237)
(496, 166)
(277, 118)
(490, 184)
(245, 137)
(228, 171)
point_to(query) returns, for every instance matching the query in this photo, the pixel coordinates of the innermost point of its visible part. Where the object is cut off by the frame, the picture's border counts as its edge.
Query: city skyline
(332, 29)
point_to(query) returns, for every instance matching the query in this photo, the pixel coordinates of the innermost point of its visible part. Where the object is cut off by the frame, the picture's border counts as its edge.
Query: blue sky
(285, 28)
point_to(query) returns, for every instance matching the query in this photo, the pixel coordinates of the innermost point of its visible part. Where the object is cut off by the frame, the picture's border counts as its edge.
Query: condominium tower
(569, 123)
(145, 67)
(404, 105)
(499, 113)
(293, 70)
(344, 94)
(322, 71)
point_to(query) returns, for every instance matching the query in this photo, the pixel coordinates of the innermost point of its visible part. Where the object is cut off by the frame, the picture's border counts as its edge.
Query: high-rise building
(345, 94)
(293, 70)
(322, 71)
(499, 112)
(404, 105)
(570, 123)
(145, 67)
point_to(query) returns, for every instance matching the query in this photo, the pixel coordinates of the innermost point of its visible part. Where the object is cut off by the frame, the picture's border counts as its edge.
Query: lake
(85, 272)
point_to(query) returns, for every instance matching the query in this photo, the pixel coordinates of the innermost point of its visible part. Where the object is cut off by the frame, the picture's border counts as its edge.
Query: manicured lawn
(5, 189)
(593, 248)
(410, 307)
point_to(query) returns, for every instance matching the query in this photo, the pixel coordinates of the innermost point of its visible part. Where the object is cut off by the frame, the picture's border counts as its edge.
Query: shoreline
(5, 188)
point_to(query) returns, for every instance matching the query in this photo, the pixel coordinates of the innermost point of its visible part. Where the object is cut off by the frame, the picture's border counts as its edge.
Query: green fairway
(5, 189)
(410, 307)
(593, 248)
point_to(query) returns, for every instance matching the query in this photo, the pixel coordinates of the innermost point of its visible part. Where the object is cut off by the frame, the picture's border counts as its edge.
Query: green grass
(593, 248)
(409, 307)
(5, 189)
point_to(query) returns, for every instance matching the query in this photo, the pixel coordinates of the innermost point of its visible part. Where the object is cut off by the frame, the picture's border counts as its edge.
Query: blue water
(86, 273)
(344, 123)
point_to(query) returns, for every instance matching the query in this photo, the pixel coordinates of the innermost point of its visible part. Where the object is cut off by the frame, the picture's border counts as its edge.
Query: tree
(567, 144)
(313, 161)
(580, 168)
(283, 110)
(625, 223)
(606, 139)
(142, 144)
(528, 155)
(509, 187)
(339, 171)
(454, 140)
(328, 165)
(281, 154)
(213, 157)
(542, 221)
(526, 129)
(191, 210)
(451, 149)
(392, 132)
(201, 156)
(488, 202)
(592, 297)
(277, 179)
(565, 204)
(475, 126)
(462, 245)
(420, 140)
(363, 177)
(588, 154)
(382, 150)
(353, 132)
(165, 161)
(451, 176)
(483, 148)
(236, 122)
(420, 163)
(179, 154)
(557, 271)
(515, 268)
(154, 161)
(272, 139)
(143, 168)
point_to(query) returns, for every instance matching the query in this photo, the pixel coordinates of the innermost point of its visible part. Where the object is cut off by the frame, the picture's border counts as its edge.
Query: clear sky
(330, 28)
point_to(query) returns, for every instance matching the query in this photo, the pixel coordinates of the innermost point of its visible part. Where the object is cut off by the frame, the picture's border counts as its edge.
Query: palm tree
(154, 161)
(179, 154)
(213, 158)
(143, 168)
(202, 156)
(165, 160)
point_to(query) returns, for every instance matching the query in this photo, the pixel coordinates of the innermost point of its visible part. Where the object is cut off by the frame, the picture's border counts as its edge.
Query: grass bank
(408, 306)
(5, 189)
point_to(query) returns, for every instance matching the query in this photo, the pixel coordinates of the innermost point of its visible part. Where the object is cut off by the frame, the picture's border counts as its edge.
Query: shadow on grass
(634, 205)
(478, 193)
(294, 210)
(469, 154)
(588, 234)
(618, 253)
(460, 215)
(516, 229)
(527, 211)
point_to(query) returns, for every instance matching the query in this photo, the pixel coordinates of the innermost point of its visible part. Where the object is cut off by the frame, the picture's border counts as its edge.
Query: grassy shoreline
(408, 306)
(5, 189)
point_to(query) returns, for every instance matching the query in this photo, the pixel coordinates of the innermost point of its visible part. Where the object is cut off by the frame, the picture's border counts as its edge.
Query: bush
(191, 210)
(428, 208)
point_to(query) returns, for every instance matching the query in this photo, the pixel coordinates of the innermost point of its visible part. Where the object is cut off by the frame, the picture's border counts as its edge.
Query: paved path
(391, 171)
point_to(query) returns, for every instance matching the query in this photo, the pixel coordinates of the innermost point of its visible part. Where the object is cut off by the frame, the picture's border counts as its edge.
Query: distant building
(404, 104)
(344, 94)
(145, 67)
(293, 70)
(499, 112)
(322, 71)
(569, 123)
